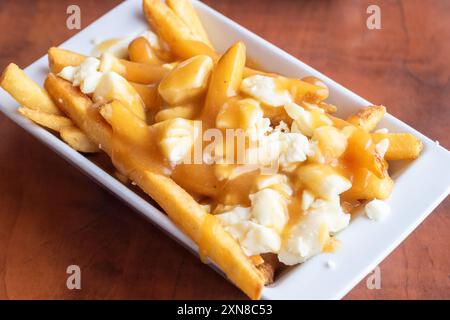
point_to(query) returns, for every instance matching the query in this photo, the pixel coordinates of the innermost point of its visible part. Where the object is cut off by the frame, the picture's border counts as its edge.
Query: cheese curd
(258, 228)
(265, 89)
(377, 210)
(269, 209)
(308, 237)
(322, 180)
(295, 148)
(86, 76)
(177, 139)
(306, 121)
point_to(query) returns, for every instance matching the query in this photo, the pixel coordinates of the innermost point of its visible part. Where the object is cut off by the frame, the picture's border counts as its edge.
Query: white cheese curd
(111, 86)
(177, 140)
(296, 112)
(295, 148)
(276, 146)
(269, 209)
(264, 89)
(68, 73)
(323, 181)
(377, 210)
(90, 83)
(333, 185)
(305, 121)
(260, 239)
(278, 182)
(382, 147)
(316, 154)
(258, 228)
(86, 75)
(265, 151)
(304, 240)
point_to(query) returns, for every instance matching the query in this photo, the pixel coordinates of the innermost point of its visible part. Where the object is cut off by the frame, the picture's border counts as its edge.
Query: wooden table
(52, 216)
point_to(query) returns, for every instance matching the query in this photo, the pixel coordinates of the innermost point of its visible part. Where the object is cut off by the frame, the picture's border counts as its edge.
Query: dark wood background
(52, 216)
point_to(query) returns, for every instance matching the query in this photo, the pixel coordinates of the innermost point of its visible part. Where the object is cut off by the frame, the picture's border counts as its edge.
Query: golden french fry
(361, 153)
(27, 92)
(141, 51)
(174, 31)
(187, 81)
(301, 89)
(186, 12)
(200, 178)
(178, 36)
(148, 94)
(185, 112)
(327, 107)
(76, 138)
(126, 124)
(402, 146)
(225, 81)
(322, 94)
(81, 110)
(51, 121)
(368, 118)
(133, 71)
(367, 186)
(59, 58)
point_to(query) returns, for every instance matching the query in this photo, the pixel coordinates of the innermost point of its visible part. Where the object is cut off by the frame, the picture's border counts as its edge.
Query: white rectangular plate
(419, 186)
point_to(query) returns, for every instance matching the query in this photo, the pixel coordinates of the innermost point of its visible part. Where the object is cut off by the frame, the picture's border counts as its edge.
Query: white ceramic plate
(419, 186)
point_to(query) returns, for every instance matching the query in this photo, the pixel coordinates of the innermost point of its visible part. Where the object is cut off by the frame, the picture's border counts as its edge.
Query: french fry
(81, 110)
(225, 81)
(368, 118)
(185, 112)
(183, 210)
(59, 58)
(141, 51)
(302, 89)
(174, 31)
(148, 94)
(188, 81)
(132, 71)
(179, 37)
(367, 186)
(76, 138)
(27, 92)
(323, 93)
(126, 124)
(50, 121)
(186, 12)
(361, 153)
(200, 178)
(402, 146)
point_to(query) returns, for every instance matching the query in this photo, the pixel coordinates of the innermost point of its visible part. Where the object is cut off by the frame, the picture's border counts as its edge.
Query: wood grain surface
(52, 216)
